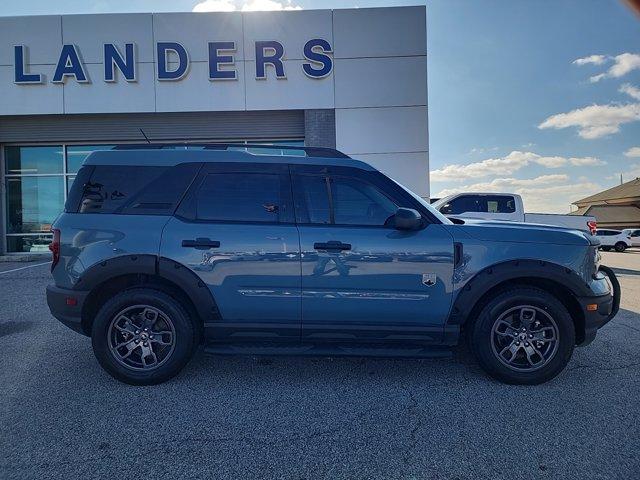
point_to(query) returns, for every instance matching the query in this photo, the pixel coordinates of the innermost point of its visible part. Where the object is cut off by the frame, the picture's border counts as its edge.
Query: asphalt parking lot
(61, 416)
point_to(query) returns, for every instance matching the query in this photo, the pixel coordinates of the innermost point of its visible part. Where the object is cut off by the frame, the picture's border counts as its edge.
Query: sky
(536, 97)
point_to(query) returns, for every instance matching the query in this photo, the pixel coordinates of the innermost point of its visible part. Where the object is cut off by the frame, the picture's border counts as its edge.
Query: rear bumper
(607, 307)
(66, 306)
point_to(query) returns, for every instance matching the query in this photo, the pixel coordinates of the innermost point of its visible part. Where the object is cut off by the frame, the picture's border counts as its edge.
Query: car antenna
(144, 135)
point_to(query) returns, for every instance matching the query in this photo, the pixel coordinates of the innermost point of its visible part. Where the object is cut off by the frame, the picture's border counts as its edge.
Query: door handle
(332, 245)
(201, 243)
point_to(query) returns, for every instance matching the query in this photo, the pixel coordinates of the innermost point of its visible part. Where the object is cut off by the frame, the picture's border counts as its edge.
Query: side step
(408, 351)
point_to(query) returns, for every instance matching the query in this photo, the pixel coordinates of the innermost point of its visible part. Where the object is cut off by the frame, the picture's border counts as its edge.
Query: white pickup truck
(506, 207)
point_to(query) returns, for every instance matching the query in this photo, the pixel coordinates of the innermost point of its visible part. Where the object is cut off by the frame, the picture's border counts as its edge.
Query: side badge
(429, 279)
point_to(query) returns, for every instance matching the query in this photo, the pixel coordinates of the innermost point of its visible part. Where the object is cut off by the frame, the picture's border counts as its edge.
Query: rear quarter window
(132, 190)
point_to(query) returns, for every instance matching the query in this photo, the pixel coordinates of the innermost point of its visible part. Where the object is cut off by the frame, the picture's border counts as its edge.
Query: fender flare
(488, 278)
(102, 271)
(152, 265)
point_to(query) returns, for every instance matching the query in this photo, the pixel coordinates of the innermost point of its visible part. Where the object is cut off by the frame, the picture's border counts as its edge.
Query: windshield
(426, 205)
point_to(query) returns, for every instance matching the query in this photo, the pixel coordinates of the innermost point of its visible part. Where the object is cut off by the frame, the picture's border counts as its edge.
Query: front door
(363, 280)
(235, 229)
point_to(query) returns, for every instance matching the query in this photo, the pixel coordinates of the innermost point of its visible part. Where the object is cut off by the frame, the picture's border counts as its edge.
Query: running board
(331, 350)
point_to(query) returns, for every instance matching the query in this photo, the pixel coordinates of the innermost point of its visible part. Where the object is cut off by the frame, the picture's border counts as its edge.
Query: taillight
(593, 226)
(54, 246)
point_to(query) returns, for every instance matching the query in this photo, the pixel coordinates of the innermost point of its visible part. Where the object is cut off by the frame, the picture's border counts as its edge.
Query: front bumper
(66, 305)
(607, 307)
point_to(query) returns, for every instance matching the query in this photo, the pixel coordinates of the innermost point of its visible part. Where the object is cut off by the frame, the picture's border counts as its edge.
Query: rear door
(363, 280)
(235, 229)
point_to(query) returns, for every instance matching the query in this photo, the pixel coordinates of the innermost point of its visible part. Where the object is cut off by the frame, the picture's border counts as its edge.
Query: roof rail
(310, 151)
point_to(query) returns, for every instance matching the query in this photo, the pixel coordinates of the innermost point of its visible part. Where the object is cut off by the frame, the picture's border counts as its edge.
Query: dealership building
(353, 79)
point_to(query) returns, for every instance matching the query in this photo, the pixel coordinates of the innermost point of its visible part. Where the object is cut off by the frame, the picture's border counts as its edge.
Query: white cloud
(591, 59)
(265, 5)
(622, 64)
(547, 193)
(505, 166)
(586, 162)
(633, 92)
(633, 172)
(215, 6)
(595, 121)
(633, 152)
(247, 6)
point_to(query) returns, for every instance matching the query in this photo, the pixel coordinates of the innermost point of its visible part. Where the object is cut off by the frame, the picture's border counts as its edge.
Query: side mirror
(407, 219)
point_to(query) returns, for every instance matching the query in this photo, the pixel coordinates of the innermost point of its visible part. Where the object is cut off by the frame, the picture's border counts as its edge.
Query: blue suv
(161, 249)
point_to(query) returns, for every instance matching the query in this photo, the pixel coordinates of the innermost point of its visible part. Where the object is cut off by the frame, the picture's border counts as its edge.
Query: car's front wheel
(143, 336)
(523, 335)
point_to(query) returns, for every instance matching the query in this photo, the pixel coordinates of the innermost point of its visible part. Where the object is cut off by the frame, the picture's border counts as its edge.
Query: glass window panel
(239, 197)
(33, 160)
(312, 193)
(359, 203)
(33, 203)
(273, 151)
(70, 182)
(28, 243)
(111, 187)
(76, 154)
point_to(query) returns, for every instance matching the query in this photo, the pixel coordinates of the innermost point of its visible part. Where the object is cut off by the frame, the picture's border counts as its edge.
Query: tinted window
(162, 195)
(351, 201)
(242, 197)
(111, 187)
(499, 204)
(480, 203)
(465, 203)
(359, 203)
(129, 190)
(314, 195)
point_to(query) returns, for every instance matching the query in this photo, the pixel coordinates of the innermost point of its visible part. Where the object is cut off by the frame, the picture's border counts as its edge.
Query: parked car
(614, 239)
(634, 236)
(507, 207)
(160, 250)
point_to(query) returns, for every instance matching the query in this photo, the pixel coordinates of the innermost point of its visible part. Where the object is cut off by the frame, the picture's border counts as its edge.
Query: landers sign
(173, 62)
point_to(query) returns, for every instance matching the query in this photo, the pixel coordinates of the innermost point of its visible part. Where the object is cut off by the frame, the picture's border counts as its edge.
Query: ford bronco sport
(161, 249)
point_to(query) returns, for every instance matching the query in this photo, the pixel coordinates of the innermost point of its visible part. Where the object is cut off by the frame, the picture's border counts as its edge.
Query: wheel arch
(107, 278)
(561, 282)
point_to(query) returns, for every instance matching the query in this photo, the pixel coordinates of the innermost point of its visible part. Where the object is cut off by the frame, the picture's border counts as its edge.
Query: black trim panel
(488, 278)
(116, 267)
(69, 315)
(195, 288)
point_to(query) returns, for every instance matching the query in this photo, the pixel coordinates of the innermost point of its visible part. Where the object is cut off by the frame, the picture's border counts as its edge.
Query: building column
(320, 128)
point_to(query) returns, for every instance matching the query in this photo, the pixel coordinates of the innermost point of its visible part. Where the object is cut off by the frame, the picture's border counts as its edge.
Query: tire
(171, 337)
(488, 336)
(606, 249)
(620, 247)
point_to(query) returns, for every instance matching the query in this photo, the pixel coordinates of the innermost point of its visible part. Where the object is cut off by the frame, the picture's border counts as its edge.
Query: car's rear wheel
(523, 335)
(143, 336)
(620, 247)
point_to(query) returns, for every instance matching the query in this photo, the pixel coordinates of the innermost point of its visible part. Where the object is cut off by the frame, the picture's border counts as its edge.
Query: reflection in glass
(33, 203)
(70, 182)
(76, 154)
(28, 243)
(33, 160)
